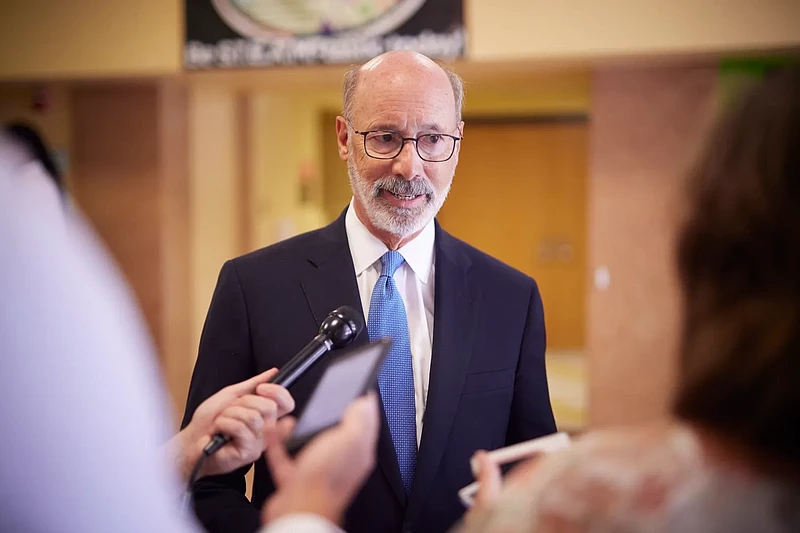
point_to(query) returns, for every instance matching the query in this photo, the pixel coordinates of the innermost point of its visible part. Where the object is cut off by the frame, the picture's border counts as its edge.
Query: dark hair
(33, 141)
(738, 259)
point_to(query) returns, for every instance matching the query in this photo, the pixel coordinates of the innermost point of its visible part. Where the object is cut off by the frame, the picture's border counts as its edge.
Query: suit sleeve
(531, 412)
(225, 357)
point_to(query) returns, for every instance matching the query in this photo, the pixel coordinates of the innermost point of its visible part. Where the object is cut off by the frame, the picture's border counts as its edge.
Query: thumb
(490, 479)
(280, 464)
(362, 418)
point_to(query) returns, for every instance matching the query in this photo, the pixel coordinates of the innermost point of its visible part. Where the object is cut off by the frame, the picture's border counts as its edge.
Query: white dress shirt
(414, 280)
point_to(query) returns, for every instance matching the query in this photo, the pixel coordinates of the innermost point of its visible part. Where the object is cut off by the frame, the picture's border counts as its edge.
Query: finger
(251, 418)
(489, 478)
(278, 434)
(358, 432)
(238, 431)
(361, 419)
(281, 466)
(522, 471)
(279, 395)
(267, 408)
(249, 386)
(286, 426)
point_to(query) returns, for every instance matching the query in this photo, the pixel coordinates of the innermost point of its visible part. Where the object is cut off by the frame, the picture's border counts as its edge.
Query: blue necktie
(387, 318)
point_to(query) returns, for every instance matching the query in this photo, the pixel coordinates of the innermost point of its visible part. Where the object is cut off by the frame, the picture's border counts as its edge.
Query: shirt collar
(366, 248)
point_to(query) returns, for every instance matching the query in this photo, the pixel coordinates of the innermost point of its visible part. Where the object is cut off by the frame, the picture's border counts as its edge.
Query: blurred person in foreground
(87, 445)
(33, 147)
(731, 460)
(36, 174)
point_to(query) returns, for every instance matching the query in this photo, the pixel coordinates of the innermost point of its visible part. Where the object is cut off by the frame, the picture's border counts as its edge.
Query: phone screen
(345, 379)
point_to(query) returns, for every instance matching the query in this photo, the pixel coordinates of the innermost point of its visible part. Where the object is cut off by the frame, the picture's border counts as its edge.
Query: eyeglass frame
(364, 134)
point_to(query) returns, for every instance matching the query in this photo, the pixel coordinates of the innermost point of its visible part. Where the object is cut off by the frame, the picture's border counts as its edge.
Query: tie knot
(390, 262)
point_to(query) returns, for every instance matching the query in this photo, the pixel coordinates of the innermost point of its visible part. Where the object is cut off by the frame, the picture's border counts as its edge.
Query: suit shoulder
(287, 252)
(490, 267)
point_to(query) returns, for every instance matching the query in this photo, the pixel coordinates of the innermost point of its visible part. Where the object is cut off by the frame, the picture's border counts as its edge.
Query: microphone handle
(297, 365)
(286, 376)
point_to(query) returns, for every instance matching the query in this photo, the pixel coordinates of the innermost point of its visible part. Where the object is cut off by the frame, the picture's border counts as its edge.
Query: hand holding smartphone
(349, 375)
(511, 454)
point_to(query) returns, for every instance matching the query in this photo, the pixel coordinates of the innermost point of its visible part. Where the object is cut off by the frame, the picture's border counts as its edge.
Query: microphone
(340, 328)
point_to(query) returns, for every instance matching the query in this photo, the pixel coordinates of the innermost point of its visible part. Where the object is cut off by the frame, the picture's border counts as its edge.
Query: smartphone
(348, 376)
(512, 455)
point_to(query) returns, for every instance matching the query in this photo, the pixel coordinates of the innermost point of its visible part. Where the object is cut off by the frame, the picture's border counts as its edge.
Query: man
(466, 370)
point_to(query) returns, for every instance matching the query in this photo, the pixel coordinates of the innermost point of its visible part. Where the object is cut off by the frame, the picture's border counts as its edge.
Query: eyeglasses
(431, 147)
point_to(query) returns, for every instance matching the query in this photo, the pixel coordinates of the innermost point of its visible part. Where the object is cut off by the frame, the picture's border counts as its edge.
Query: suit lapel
(330, 285)
(455, 304)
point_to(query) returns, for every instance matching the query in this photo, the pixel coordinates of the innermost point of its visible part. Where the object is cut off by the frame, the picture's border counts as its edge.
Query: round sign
(276, 19)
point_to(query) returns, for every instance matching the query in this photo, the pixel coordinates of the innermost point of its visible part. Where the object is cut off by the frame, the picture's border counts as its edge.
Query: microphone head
(342, 326)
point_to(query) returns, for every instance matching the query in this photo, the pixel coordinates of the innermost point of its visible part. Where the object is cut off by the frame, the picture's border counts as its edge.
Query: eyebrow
(382, 126)
(432, 126)
(427, 127)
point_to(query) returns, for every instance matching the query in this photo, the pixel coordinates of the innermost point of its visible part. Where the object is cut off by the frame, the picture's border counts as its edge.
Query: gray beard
(398, 221)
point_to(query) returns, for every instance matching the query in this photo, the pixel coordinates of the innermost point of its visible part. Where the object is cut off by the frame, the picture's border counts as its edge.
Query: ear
(460, 134)
(342, 136)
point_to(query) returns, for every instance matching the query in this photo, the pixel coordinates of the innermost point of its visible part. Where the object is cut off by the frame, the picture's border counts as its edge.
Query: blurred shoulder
(639, 470)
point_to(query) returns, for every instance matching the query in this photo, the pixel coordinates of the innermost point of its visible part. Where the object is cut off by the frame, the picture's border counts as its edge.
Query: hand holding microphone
(338, 330)
(243, 411)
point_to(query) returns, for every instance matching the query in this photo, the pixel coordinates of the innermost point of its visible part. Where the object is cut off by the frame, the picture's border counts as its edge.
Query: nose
(407, 163)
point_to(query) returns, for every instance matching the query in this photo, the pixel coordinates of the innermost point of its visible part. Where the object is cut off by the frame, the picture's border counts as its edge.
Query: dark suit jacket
(487, 388)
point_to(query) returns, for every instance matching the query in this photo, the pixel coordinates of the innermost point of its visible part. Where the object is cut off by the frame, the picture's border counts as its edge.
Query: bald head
(397, 70)
(398, 187)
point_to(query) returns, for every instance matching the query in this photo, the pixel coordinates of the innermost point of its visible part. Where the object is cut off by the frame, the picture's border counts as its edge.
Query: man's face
(400, 196)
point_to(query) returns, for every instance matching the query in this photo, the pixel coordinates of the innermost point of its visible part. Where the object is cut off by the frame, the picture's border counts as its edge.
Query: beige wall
(284, 151)
(544, 29)
(215, 193)
(129, 177)
(110, 38)
(90, 38)
(157, 166)
(179, 344)
(646, 125)
(116, 173)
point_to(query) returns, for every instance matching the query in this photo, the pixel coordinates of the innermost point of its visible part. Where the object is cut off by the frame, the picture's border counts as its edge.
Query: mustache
(400, 186)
